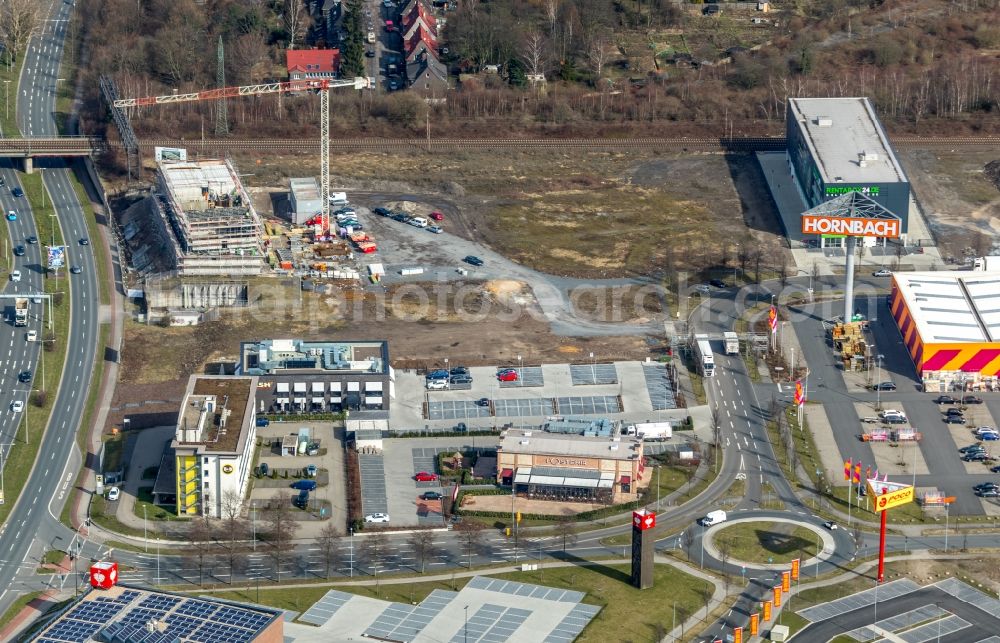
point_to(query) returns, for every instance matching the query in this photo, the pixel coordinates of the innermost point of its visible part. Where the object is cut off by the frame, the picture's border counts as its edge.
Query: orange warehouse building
(950, 323)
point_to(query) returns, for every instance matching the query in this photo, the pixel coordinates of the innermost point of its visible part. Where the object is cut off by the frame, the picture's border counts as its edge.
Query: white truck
(703, 354)
(713, 518)
(732, 341)
(21, 311)
(651, 431)
(986, 263)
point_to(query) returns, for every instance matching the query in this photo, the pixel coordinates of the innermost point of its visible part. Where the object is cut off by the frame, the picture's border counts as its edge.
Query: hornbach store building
(557, 466)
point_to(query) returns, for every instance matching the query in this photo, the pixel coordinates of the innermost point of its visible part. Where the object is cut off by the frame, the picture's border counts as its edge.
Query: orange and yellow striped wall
(968, 357)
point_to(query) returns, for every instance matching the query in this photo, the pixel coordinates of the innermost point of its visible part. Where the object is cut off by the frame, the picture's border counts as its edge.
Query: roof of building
(492, 610)
(313, 60)
(838, 131)
(425, 66)
(539, 442)
(123, 613)
(272, 356)
(953, 307)
(417, 12)
(413, 43)
(195, 184)
(233, 398)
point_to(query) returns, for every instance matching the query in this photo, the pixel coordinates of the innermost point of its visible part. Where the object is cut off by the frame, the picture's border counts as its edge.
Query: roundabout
(769, 541)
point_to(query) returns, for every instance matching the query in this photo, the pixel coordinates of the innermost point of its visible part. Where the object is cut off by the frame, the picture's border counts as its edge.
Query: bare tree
(533, 53)
(232, 515)
(281, 528)
(374, 549)
(597, 54)
(470, 536)
(295, 20)
(329, 545)
(682, 615)
(423, 546)
(688, 539)
(250, 55)
(725, 551)
(19, 21)
(566, 530)
(200, 544)
(551, 14)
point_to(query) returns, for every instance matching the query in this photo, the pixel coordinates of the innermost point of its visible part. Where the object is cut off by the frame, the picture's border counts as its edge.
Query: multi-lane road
(31, 525)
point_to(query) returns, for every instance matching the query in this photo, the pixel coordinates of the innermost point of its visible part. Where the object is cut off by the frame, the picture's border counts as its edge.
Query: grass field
(767, 542)
(9, 77)
(626, 614)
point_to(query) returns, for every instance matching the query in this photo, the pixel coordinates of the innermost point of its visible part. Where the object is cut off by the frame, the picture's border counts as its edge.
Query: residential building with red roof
(312, 63)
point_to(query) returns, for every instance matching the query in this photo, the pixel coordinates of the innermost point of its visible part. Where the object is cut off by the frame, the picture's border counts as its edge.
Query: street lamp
(519, 368)
(878, 382)
(593, 368)
(6, 99)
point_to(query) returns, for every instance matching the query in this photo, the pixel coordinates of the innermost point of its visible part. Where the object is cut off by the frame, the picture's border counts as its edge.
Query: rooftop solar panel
(159, 601)
(72, 630)
(211, 632)
(197, 608)
(181, 625)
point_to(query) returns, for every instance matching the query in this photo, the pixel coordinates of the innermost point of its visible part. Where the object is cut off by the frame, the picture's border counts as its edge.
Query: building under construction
(213, 225)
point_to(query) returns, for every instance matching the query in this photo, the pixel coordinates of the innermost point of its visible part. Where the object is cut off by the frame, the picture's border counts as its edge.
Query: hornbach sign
(850, 226)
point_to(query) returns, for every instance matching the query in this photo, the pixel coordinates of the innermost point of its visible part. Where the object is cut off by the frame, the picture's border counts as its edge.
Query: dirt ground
(961, 202)
(576, 214)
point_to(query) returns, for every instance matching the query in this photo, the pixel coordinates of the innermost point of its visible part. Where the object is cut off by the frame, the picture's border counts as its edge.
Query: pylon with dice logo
(642, 548)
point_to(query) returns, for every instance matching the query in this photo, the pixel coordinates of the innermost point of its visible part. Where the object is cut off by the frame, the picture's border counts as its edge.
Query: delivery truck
(651, 431)
(713, 518)
(21, 311)
(732, 341)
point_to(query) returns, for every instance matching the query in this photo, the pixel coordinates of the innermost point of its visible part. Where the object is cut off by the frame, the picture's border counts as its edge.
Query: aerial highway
(29, 529)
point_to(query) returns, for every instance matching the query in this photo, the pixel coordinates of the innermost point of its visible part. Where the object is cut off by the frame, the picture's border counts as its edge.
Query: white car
(985, 429)
(15, 276)
(437, 385)
(882, 272)
(703, 288)
(829, 524)
(377, 518)
(113, 494)
(17, 406)
(32, 336)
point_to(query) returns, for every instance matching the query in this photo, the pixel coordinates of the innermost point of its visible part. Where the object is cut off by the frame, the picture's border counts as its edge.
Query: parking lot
(330, 493)
(628, 391)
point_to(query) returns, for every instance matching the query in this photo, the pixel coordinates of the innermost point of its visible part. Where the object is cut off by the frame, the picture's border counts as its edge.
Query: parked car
(461, 427)
(302, 500)
(439, 374)
(954, 419)
(261, 422)
(954, 412)
(985, 429)
(507, 376)
(424, 476)
(461, 379)
(884, 386)
(988, 493)
(436, 229)
(976, 456)
(882, 272)
(989, 436)
(311, 471)
(483, 401)
(437, 385)
(894, 419)
(382, 212)
(437, 216)
(369, 54)
(473, 260)
(312, 448)
(995, 469)
(718, 283)
(377, 518)
(431, 495)
(972, 399)
(304, 485)
(114, 493)
(263, 469)
(459, 370)
(18, 251)
(972, 447)
(944, 399)
(986, 485)
(401, 217)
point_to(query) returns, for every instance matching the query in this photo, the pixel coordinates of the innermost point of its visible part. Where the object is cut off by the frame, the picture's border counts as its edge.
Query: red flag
(800, 394)
(847, 470)
(857, 472)
(772, 318)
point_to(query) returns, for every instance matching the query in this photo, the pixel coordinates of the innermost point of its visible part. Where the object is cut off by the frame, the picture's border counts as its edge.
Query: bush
(38, 398)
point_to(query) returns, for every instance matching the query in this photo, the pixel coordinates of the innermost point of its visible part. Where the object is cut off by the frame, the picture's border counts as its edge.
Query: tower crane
(322, 85)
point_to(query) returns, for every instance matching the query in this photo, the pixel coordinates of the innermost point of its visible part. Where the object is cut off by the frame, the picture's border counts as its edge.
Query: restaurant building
(569, 467)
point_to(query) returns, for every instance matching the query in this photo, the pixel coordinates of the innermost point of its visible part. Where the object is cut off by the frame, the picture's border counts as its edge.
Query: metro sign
(850, 226)
(643, 520)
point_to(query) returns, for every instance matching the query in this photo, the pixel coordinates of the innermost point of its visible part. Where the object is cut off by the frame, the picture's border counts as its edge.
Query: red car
(423, 476)
(437, 216)
(507, 376)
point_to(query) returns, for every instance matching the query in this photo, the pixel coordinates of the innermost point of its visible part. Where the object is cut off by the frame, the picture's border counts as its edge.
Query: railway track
(623, 144)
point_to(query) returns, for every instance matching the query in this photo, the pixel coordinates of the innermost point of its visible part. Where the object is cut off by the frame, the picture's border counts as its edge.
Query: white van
(713, 518)
(420, 222)
(371, 36)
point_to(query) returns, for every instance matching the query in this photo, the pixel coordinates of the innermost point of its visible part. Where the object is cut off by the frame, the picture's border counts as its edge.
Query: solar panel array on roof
(491, 624)
(326, 607)
(571, 626)
(72, 631)
(402, 622)
(197, 608)
(121, 633)
(525, 589)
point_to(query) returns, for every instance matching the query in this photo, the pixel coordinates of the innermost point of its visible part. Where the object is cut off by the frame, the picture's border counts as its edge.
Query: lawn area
(9, 76)
(627, 613)
(767, 542)
(19, 604)
(144, 502)
(35, 418)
